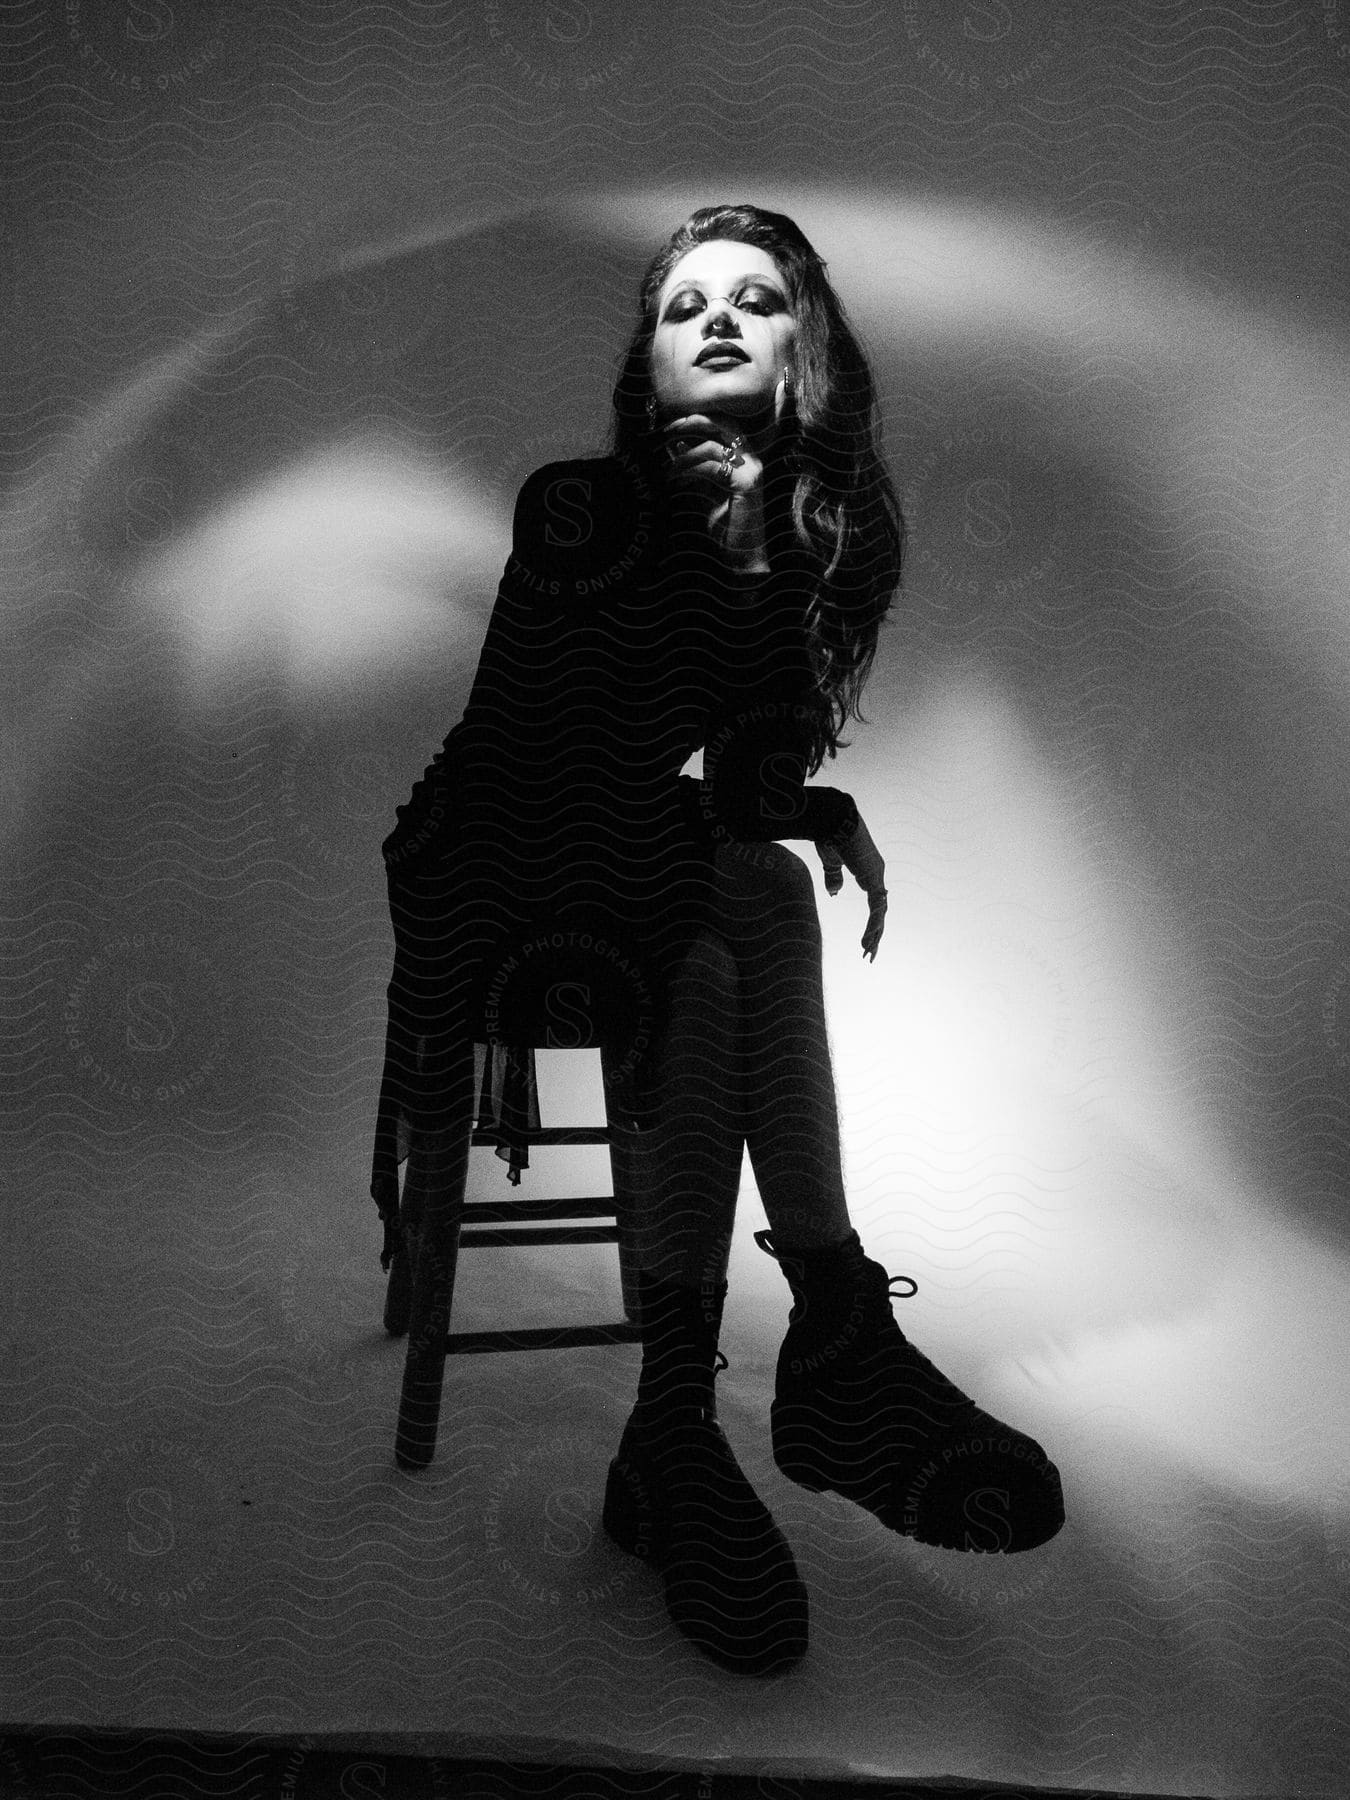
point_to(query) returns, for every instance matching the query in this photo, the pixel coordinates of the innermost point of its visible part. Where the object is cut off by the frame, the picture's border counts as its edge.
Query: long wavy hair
(825, 477)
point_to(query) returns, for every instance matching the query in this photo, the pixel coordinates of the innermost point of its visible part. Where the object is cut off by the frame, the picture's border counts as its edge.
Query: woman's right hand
(860, 856)
(696, 446)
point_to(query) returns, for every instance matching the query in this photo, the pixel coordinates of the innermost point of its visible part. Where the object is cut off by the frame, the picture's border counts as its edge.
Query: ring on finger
(731, 459)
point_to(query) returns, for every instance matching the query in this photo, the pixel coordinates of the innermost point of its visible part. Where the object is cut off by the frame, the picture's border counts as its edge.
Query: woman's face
(724, 333)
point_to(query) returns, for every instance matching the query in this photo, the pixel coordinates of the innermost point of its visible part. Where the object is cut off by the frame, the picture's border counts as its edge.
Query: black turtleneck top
(615, 651)
(594, 687)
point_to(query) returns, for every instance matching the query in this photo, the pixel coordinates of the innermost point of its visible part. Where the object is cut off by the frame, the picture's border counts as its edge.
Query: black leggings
(744, 1063)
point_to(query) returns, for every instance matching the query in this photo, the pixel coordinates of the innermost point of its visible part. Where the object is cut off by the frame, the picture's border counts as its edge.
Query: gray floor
(206, 1530)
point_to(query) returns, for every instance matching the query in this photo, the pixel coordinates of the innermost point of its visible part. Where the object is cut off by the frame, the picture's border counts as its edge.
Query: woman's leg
(767, 911)
(857, 1408)
(675, 1494)
(689, 1157)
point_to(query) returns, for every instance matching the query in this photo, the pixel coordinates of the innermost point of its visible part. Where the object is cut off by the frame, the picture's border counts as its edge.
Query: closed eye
(759, 300)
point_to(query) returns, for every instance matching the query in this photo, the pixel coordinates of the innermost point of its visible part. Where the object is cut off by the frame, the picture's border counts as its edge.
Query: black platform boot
(677, 1497)
(858, 1409)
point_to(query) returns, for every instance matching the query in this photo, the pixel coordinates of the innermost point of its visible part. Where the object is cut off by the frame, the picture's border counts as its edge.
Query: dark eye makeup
(752, 296)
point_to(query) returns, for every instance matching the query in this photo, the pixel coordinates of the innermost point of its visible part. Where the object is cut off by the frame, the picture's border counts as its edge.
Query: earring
(651, 412)
(787, 384)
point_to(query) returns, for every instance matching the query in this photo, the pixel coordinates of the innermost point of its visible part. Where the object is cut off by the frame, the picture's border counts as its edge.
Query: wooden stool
(436, 1224)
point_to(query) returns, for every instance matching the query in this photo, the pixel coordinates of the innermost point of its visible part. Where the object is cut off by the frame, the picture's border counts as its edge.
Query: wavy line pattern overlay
(298, 298)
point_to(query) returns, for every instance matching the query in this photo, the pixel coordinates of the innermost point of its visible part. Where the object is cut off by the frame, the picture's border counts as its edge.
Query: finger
(707, 423)
(707, 468)
(876, 924)
(699, 433)
(697, 466)
(708, 436)
(689, 445)
(692, 457)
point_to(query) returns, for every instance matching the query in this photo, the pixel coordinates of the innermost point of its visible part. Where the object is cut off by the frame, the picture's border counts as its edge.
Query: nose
(720, 320)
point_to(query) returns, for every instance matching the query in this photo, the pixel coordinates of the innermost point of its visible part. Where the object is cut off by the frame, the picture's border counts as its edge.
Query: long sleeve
(754, 790)
(593, 689)
(424, 821)
(822, 814)
(544, 574)
(758, 736)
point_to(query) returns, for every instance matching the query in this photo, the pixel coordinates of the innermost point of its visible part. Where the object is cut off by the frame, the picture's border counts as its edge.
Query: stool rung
(493, 1212)
(550, 1134)
(543, 1234)
(564, 1337)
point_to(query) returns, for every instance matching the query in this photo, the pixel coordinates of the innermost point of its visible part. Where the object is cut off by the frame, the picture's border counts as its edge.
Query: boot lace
(765, 1241)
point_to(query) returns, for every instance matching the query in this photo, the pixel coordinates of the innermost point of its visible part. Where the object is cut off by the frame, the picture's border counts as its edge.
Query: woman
(718, 582)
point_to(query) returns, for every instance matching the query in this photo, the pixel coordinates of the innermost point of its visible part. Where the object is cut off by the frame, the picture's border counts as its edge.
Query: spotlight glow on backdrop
(359, 565)
(1012, 1134)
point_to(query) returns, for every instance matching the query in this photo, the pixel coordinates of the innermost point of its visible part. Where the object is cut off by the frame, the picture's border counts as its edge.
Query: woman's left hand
(703, 444)
(863, 860)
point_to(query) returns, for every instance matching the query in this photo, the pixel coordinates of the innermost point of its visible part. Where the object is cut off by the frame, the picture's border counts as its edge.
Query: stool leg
(384, 1182)
(438, 1163)
(398, 1293)
(628, 1175)
(399, 1290)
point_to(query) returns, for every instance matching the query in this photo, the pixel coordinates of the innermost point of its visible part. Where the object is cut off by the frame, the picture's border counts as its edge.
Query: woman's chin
(727, 394)
(741, 406)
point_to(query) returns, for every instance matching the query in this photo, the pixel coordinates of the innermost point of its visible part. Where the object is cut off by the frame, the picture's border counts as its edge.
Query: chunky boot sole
(731, 1585)
(980, 1487)
(628, 1516)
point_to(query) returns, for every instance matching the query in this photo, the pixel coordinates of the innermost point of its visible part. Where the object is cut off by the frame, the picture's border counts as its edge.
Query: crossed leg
(790, 1111)
(745, 1061)
(688, 1158)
